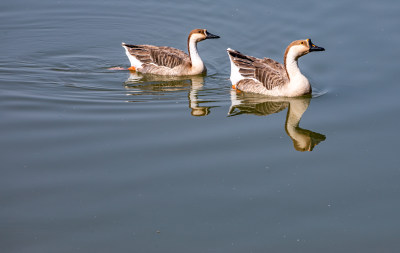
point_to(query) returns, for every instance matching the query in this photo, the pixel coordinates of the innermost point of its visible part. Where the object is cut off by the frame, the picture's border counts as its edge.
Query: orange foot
(237, 90)
(133, 69)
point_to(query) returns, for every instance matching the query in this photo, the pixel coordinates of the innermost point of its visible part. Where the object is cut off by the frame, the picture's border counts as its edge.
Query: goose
(268, 77)
(167, 60)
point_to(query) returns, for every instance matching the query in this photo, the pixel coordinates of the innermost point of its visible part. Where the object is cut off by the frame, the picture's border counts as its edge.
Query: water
(99, 160)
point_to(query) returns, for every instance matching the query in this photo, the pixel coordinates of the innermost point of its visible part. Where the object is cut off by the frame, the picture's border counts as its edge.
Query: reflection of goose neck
(197, 84)
(296, 110)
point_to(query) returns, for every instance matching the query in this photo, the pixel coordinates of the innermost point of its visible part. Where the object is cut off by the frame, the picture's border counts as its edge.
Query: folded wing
(160, 56)
(267, 71)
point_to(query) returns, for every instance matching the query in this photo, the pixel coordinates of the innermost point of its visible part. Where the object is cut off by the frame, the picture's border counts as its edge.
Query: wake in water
(117, 68)
(318, 93)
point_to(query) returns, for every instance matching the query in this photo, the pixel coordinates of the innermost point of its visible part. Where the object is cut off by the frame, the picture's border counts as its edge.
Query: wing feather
(161, 56)
(267, 71)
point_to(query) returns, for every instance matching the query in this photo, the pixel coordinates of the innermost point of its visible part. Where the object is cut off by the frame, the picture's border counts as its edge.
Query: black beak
(211, 36)
(314, 47)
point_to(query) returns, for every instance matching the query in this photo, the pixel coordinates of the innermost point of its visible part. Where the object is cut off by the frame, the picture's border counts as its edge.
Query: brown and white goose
(268, 77)
(167, 60)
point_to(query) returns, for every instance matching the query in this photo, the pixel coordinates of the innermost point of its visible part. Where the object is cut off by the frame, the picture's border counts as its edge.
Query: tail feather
(239, 57)
(135, 62)
(242, 66)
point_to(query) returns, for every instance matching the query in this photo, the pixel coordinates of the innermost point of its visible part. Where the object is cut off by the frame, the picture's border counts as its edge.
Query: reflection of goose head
(162, 84)
(248, 103)
(200, 111)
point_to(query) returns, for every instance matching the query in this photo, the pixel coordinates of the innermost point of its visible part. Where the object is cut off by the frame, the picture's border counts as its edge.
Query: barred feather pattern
(269, 73)
(160, 56)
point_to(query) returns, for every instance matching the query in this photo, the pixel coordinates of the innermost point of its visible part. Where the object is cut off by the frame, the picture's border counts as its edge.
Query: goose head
(201, 34)
(299, 48)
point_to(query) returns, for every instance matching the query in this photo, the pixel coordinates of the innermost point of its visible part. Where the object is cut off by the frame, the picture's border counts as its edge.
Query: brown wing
(161, 56)
(274, 65)
(269, 77)
(267, 71)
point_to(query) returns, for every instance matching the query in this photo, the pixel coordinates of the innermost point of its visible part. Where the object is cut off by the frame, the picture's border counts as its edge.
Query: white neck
(292, 66)
(197, 63)
(298, 82)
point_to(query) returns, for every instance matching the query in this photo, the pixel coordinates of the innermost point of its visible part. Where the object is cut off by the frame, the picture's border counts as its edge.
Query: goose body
(167, 60)
(268, 77)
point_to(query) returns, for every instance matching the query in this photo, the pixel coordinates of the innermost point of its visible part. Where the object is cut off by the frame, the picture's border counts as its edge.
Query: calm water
(99, 160)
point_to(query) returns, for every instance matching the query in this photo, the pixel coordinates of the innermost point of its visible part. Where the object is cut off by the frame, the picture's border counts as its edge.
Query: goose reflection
(146, 84)
(303, 139)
